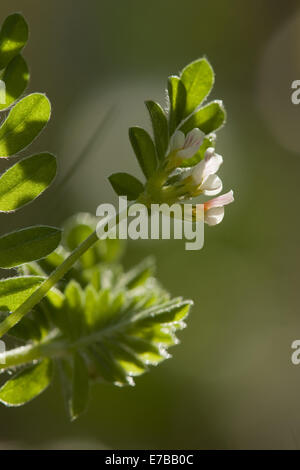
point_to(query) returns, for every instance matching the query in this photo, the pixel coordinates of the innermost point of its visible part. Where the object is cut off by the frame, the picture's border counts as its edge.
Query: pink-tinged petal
(192, 143)
(208, 166)
(219, 201)
(211, 186)
(213, 161)
(177, 141)
(193, 137)
(187, 153)
(197, 172)
(214, 215)
(209, 152)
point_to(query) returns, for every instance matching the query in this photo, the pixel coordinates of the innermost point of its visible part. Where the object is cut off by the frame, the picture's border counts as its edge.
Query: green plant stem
(40, 293)
(32, 352)
(19, 356)
(53, 279)
(154, 190)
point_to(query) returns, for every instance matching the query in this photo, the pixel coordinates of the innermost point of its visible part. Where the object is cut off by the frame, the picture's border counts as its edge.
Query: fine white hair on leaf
(167, 102)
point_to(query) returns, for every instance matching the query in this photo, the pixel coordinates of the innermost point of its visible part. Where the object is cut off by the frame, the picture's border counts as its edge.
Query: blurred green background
(231, 383)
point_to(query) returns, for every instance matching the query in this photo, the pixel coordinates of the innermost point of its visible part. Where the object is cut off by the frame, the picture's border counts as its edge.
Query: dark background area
(231, 383)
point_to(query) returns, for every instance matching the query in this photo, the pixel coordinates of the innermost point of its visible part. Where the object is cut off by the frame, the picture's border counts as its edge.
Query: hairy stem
(50, 347)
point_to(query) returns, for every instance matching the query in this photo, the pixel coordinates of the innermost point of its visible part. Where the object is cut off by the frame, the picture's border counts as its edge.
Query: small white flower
(214, 209)
(203, 175)
(177, 141)
(186, 147)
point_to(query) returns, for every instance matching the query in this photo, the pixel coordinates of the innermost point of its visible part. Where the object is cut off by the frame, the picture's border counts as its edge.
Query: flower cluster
(179, 161)
(200, 179)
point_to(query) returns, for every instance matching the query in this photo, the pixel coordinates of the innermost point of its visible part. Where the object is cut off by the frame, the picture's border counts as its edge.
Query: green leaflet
(160, 128)
(91, 302)
(177, 98)
(126, 185)
(74, 322)
(13, 37)
(27, 245)
(209, 118)
(16, 78)
(15, 290)
(139, 274)
(26, 180)
(144, 149)
(24, 123)
(129, 359)
(27, 384)
(150, 354)
(172, 311)
(80, 387)
(198, 80)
